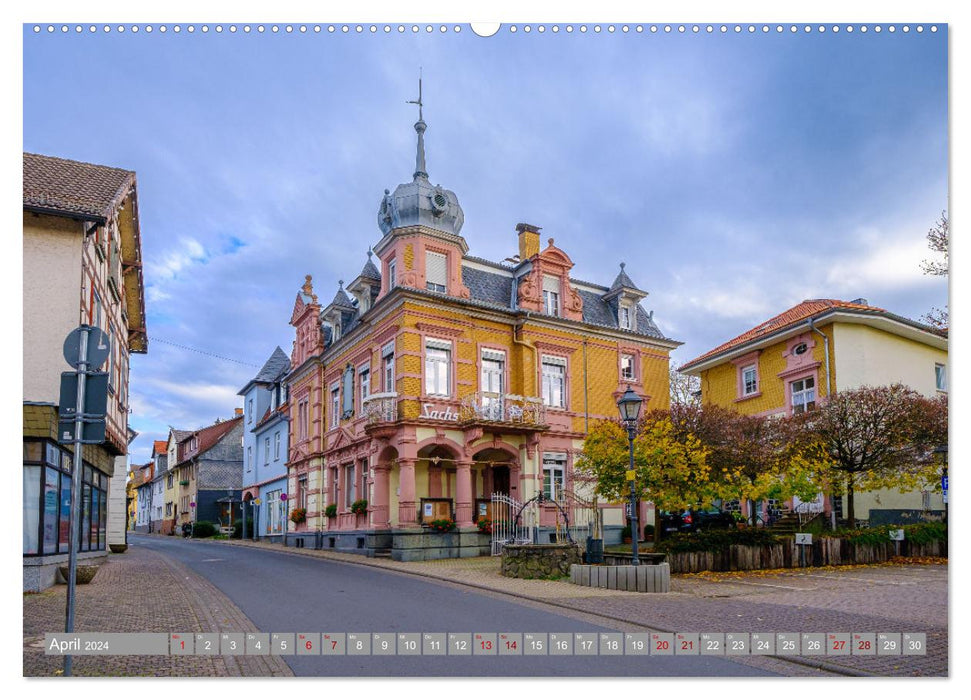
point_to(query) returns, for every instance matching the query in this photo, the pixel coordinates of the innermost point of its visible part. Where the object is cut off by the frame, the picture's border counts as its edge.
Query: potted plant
(484, 524)
(649, 532)
(625, 534)
(298, 515)
(442, 525)
(359, 507)
(331, 510)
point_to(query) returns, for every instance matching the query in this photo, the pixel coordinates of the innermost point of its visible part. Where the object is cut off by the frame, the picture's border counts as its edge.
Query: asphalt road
(287, 593)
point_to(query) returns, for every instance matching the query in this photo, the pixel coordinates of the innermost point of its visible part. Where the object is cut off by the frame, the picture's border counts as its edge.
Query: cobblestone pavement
(141, 591)
(893, 597)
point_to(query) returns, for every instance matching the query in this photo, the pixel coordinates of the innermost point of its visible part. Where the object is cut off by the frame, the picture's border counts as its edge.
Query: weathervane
(418, 101)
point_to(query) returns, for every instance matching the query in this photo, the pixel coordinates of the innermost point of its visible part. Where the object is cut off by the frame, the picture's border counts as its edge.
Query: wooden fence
(827, 551)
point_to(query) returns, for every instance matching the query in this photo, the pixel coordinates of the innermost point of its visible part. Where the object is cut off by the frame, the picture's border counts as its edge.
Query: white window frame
(806, 395)
(436, 262)
(335, 405)
(626, 375)
(625, 317)
(547, 380)
(940, 376)
(554, 474)
(389, 373)
(438, 367)
(392, 277)
(364, 377)
(249, 458)
(276, 446)
(745, 382)
(249, 411)
(266, 446)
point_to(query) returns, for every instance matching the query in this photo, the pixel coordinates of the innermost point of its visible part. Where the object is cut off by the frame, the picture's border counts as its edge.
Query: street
(280, 592)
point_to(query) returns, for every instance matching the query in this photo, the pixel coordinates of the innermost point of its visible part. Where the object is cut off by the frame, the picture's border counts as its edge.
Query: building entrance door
(500, 480)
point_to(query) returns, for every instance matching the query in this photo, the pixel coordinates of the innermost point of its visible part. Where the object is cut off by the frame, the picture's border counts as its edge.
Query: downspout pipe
(812, 327)
(829, 386)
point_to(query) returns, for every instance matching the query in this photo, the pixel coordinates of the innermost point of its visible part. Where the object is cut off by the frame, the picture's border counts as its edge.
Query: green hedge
(918, 533)
(238, 529)
(203, 528)
(716, 540)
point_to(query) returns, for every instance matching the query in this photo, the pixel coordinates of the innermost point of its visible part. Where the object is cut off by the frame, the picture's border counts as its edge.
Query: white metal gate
(507, 528)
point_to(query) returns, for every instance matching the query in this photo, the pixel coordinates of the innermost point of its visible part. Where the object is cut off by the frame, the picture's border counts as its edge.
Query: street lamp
(286, 518)
(630, 408)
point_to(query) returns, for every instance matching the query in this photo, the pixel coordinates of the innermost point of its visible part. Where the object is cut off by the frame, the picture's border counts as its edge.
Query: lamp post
(630, 408)
(286, 518)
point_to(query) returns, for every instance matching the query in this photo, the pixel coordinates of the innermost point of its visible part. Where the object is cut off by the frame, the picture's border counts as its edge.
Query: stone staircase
(789, 524)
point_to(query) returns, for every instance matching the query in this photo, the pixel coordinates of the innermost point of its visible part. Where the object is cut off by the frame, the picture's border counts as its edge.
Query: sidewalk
(141, 591)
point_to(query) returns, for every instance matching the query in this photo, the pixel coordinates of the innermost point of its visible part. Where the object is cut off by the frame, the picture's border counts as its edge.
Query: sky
(736, 174)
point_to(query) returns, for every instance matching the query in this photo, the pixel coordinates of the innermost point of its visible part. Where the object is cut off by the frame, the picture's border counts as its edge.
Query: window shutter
(388, 350)
(438, 344)
(436, 268)
(550, 360)
(551, 284)
(496, 355)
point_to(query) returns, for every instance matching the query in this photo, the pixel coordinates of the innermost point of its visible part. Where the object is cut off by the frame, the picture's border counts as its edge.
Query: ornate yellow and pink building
(436, 379)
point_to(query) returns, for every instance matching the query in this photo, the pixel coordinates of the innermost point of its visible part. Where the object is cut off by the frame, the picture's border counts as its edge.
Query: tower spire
(420, 126)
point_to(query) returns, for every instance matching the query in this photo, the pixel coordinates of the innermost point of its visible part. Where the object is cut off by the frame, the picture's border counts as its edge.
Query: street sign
(99, 347)
(897, 535)
(92, 432)
(944, 482)
(804, 538)
(95, 395)
(631, 474)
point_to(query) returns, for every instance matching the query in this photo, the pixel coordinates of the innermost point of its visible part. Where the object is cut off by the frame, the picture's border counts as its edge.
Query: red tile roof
(160, 447)
(73, 188)
(788, 318)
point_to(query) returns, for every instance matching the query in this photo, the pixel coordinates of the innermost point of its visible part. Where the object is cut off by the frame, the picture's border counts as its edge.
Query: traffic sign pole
(72, 561)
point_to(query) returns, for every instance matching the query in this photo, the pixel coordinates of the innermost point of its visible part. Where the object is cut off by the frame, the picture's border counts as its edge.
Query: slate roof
(796, 315)
(487, 286)
(370, 271)
(72, 188)
(209, 436)
(274, 368)
(622, 281)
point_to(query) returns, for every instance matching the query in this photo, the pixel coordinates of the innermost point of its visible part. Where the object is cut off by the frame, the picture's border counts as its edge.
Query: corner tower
(421, 245)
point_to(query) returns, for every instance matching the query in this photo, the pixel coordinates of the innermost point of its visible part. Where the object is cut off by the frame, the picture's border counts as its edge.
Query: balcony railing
(381, 408)
(526, 411)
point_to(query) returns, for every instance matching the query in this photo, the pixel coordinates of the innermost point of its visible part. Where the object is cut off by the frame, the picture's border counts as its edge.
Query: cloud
(190, 252)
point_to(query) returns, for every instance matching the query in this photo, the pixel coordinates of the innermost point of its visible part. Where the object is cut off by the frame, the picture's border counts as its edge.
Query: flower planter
(84, 573)
(118, 548)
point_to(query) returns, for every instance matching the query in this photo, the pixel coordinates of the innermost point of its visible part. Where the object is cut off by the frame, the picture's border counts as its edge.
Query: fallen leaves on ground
(718, 576)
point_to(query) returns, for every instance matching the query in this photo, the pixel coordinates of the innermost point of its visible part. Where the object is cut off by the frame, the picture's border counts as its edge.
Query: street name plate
(535, 644)
(510, 644)
(611, 643)
(308, 643)
(838, 644)
(585, 644)
(914, 644)
(207, 644)
(561, 644)
(283, 644)
(686, 644)
(712, 643)
(662, 644)
(231, 643)
(737, 643)
(434, 644)
(762, 643)
(383, 644)
(181, 644)
(257, 643)
(888, 644)
(459, 644)
(637, 644)
(484, 644)
(813, 643)
(787, 644)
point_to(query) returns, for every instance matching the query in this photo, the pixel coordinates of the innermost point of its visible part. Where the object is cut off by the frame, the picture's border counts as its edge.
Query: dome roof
(419, 202)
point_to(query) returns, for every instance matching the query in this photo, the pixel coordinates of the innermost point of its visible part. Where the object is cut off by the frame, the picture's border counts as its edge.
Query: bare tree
(685, 388)
(938, 239)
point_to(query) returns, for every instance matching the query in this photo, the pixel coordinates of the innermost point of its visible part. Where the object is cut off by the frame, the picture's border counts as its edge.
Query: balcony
(380, 410)
(526, 413)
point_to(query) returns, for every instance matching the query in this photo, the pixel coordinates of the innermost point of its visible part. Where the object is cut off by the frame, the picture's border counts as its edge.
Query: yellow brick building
(797, 359)
(437, 379)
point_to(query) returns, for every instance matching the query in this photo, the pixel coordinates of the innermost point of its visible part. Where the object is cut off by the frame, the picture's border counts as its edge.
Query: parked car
(693, 520)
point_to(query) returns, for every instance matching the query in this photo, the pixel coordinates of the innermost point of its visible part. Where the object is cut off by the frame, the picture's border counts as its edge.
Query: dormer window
(625, 318)
(551, 295)
(436, 271)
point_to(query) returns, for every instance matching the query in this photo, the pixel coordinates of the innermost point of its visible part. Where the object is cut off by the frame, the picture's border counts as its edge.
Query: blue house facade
(266, 441)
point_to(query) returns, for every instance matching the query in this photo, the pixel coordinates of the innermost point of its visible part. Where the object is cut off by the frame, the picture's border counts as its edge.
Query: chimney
(239, 412)
(528, 241)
